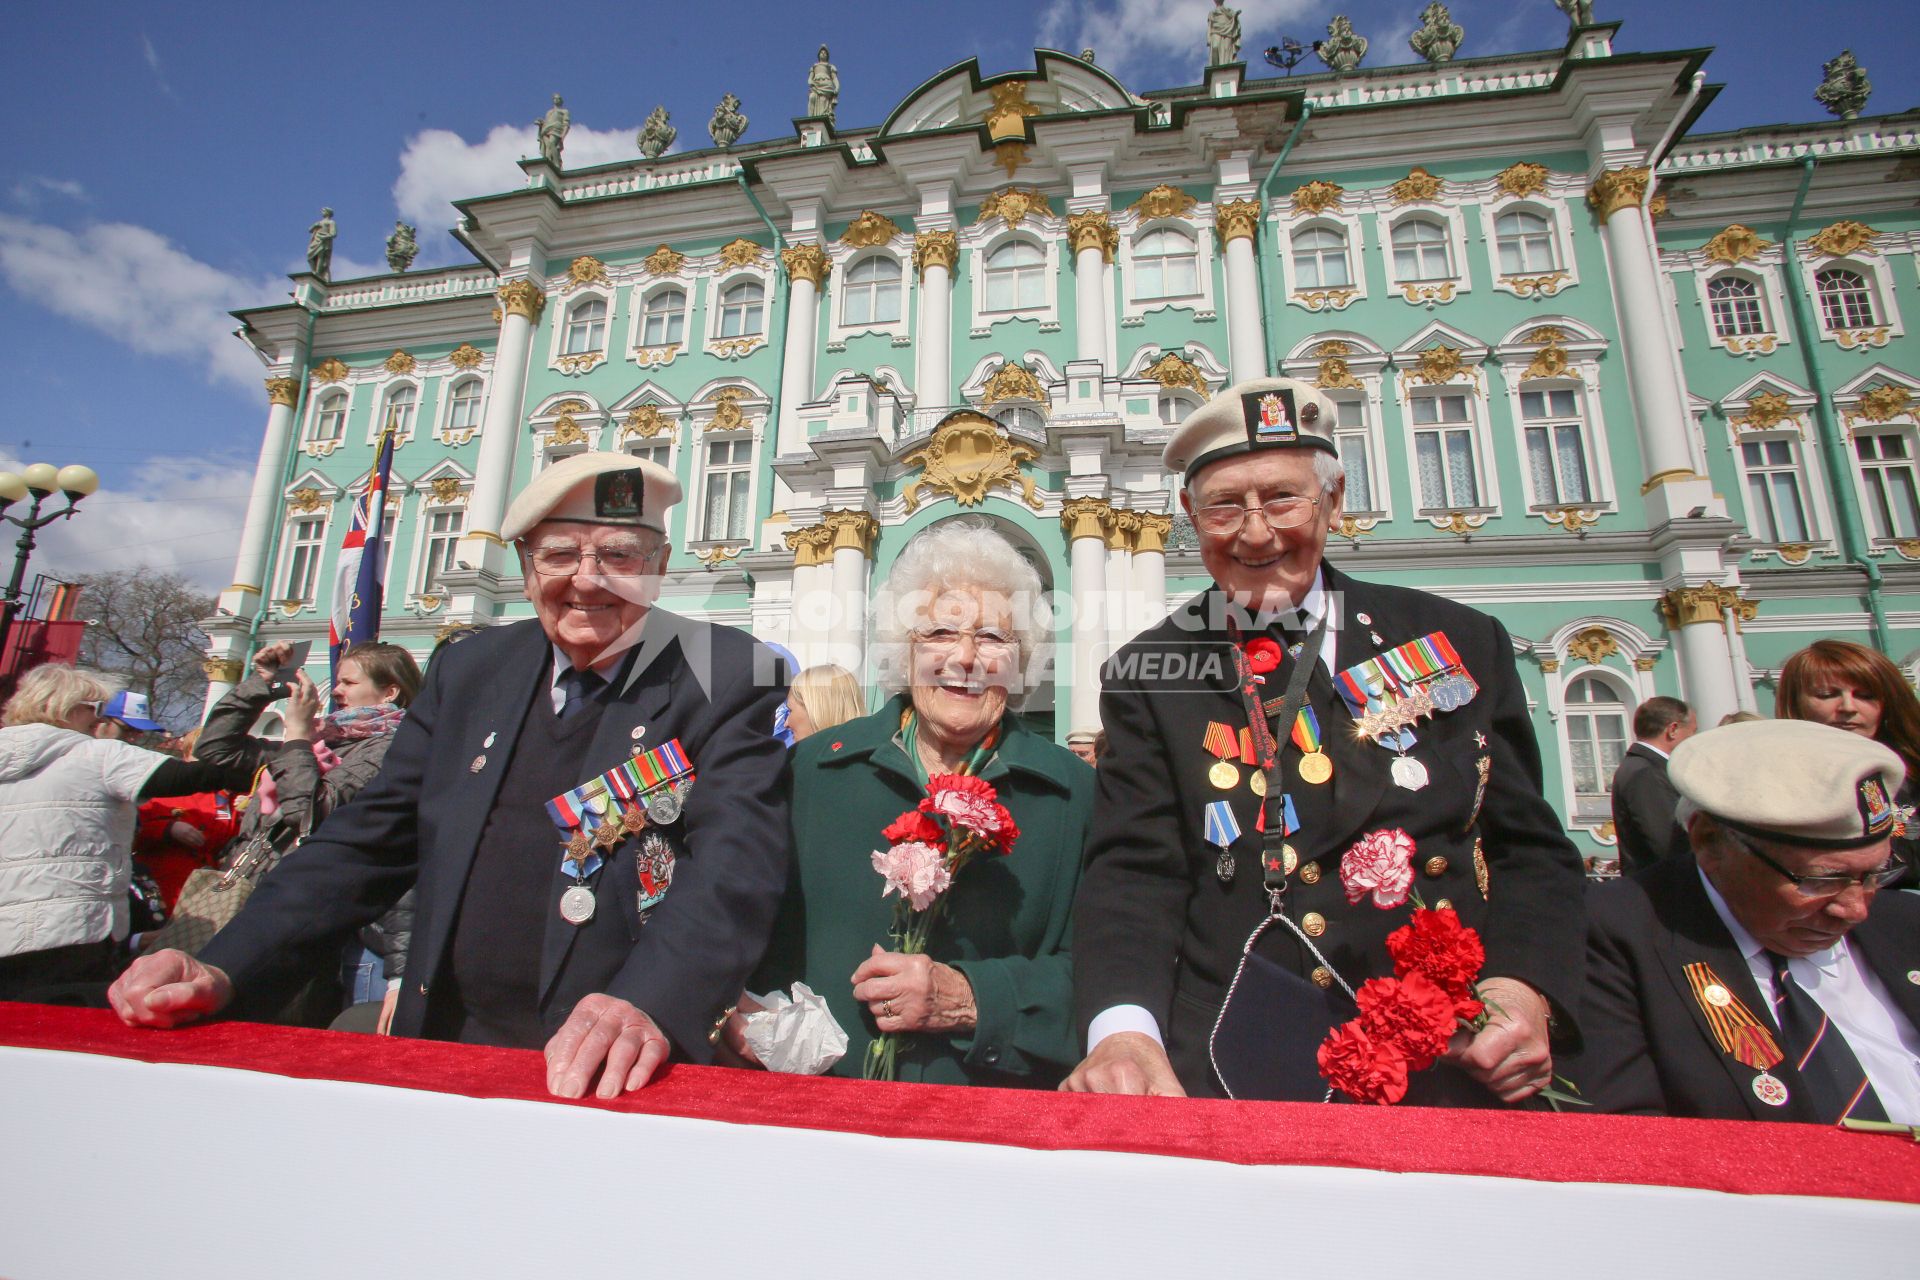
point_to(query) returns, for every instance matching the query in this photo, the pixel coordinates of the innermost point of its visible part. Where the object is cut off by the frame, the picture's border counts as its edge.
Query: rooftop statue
(823, 87)
(1223, 35)
(320, 245)
(1342, 49)
(1579, 12)
(1845, 89)
(553, 132)
(727, 123)
(1439, 36)
(656, 135)
(402, 246)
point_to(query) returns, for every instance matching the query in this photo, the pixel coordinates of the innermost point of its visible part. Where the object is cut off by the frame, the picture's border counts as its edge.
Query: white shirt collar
(1827, 961)
(1641, 742)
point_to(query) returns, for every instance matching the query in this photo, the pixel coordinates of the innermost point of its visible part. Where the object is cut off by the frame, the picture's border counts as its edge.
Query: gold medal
(1289, 858)
(1223, 775)
(1315, 768)
(1258, 783)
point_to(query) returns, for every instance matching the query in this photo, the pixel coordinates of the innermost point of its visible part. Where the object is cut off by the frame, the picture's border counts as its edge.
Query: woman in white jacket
(68, 806)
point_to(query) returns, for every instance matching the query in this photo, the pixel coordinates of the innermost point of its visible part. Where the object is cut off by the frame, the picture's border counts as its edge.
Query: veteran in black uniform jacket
(1164, 909)
(507, 720)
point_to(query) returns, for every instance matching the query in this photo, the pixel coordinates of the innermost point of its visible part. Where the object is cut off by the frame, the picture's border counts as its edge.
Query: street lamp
(38, 482)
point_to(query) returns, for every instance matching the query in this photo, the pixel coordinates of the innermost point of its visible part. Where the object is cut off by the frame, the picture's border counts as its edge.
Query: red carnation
(1263, 654)
(1411, 1013)
(1363, 1068)
(1009, 831)
(1434, 943)
(914, 827)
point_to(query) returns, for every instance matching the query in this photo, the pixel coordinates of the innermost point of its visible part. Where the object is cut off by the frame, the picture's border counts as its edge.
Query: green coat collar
(870, 738)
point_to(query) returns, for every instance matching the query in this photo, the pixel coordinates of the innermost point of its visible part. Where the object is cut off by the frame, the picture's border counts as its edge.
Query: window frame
(737, 346)
(1133, 229)
(312, 440)
(388, 391)
(1317, 299)
(1042, 232)
(1876, 275)
(1626, 698)
(1551, 205)
(1909, 439)
(1022, 272)
(1802, 476)
(1552, 423)
(445, 431)
(422, 574)
(562, 307)
(733, 440)
(1475, 432)
(289, 548)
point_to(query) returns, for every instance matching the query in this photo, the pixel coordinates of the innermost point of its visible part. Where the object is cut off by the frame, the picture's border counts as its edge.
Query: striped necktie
(581, 687)
(1836, 1082)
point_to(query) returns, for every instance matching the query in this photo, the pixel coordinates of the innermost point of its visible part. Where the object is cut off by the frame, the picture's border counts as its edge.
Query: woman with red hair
(1852, 687)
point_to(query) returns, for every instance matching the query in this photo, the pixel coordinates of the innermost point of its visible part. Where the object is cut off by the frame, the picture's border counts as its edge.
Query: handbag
(212, 897)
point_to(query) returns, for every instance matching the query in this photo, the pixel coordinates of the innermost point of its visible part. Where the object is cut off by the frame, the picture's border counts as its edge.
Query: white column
(1652, 380)
(250, 567)
(1150, 569)
(806, 269)
(853, 533)
(521, 302)
(1122, 606)
(1093, 239)
(1700, 639)
(934, 253)
(1236, 223)
(1085, 521)
(1737, 650)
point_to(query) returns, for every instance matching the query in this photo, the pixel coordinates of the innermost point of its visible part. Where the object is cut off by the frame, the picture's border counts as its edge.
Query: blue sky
(165, 162)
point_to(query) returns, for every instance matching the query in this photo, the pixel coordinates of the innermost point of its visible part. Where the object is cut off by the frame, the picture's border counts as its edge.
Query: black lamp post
(39, 482)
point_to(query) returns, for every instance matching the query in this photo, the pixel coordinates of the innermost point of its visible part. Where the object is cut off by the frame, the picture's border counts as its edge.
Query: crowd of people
(1310, 859)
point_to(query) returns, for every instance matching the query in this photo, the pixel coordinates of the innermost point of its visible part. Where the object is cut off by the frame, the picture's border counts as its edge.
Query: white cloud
(185, 517)
(33, 188)
(137, 287)
(438, 166)
(1136, 37)
(152, 56)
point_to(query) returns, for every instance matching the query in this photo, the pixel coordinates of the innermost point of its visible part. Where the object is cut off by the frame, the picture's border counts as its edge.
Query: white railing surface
(1772, 147)
(651, 176)
(1391, 85)
(387, 290)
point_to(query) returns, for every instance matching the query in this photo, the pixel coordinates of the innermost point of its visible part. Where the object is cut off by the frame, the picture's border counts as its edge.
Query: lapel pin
(639, 732)
(1913, 976)
(1375, 637)
(1480, 740)
(490, 737)
(479, 763)
(1363, 619)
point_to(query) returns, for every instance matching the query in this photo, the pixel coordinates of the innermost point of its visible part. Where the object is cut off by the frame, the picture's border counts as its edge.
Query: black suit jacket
(714, 688)
(1649, 1048)
(1155, 927)
(1643, 804)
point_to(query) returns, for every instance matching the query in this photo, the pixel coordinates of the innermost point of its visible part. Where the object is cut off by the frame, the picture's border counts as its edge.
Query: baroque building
(1645, 395)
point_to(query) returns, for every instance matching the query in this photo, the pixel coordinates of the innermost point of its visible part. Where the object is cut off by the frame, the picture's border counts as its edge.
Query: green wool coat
(1008, 921)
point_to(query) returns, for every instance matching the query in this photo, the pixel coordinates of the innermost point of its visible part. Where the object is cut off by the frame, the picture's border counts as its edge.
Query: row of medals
(1315, 768)
(662, 806)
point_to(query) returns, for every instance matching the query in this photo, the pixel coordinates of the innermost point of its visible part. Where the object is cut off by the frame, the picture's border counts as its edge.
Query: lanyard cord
(1273, 838)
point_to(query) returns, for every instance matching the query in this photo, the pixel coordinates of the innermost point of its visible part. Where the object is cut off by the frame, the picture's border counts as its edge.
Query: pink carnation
(915, 870)
(965, 802)
(1380, 864)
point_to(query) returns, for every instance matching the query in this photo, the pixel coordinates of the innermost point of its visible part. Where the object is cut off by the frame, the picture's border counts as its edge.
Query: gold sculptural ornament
(1690, 606)
(1093, 230)
(332, 369)
(1437, 365)
(1326, 299)
(1237, 220)
(645, 421)
(1163, 202)
(1335, 374)
(305, 499)
(1418, 187)
(1738, 243)
(283, 391)
(223, 670)
(1843, 237)
(1007, 117)
(1086, 518)
(1795, 552)
(1765, 412)
(1521, 180)
(851, 531)
(664, 261)
(1536, 286)
(1013, 381)
(1333, 347)
(466, 356)
(810, 546)
(585, 270)
(1175, 370)
(1151, 533)
(1013, 206)
(447, 490)
(523, 298)
(1549, 362)
(1317, 196)
(1885, 403)
(1546, 333)
(727, 414)
(741, 252)
(566, 431)
(400, 363)
(1618, 189)
(935, 249)
(1573, 519)
(1428, 293)
(1594, 644)
(869, 230)
(806, 261)
(969, 454)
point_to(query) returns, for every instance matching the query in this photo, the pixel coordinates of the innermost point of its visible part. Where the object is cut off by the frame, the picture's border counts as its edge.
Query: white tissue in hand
(797, 1036)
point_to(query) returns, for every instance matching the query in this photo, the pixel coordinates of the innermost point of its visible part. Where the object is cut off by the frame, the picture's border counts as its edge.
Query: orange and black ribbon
(1734, 1026)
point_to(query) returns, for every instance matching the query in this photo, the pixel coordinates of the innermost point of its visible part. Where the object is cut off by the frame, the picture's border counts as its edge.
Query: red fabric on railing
(1749, 1158)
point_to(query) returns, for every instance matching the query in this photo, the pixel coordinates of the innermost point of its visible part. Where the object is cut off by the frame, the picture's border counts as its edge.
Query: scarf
(350, 724)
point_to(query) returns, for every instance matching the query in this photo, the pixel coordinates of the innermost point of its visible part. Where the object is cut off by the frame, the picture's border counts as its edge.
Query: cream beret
(1261, 413)
(595, 488)
(1793, 781)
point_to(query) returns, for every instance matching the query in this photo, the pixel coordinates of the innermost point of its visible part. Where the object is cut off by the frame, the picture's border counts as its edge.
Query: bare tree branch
(144, 626)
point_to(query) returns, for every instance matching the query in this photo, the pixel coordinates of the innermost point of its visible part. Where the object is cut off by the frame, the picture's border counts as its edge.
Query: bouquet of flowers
(961, 818)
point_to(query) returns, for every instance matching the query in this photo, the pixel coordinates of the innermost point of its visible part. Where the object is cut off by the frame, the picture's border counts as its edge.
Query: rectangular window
(443, 535)
(304, 538)
(729, 477)
(1893, 499)
(1556, 447)
(1444, 451)
(660, 451)
(1775, 509)
(1350, 437)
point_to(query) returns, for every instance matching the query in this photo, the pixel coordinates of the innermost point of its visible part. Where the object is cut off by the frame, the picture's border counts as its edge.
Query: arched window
(742, 309)
(1320, 259)
(401, 402)
(872, 292)
(1016, 277)
(1737, 310)
(1420, 250)
(586, 327)
(1596, 723)
(331, 422)
(1525, 239)
(1845, 300)
(1166, 264)
(1175, 406)
(463, 408)
(663, 321)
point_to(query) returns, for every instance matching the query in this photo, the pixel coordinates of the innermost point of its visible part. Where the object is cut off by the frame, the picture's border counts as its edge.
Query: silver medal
(1223, 867)
(663, 806)
(1768, 1088)
(576, 905)
(1409, 773)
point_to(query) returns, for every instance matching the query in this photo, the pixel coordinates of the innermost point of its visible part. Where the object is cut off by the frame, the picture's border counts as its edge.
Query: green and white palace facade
(1646, 395)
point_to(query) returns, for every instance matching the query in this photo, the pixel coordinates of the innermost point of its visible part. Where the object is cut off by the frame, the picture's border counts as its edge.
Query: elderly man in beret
(1765, 977)
(1294, 759)
(576, 889)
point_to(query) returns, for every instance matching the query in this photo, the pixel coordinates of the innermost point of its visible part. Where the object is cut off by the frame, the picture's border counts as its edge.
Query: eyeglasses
(1225, 519)
(1827, 886)
(988, 642)
(614, 562)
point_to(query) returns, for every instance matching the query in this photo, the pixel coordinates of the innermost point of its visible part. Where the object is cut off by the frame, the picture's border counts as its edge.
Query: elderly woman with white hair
(68, 806)
(989, 999)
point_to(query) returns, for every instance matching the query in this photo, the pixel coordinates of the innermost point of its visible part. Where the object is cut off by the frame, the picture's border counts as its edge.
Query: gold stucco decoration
(1092, 231)
(969, 454)
(1795, 552)
(223, 670)
(1333, 347)
(1335, 374)
(1237, 220)
(645, 421)
(1690, 606)
(1163, 202)
(1151, 535)
(283, 391)
(400, 363)
(869, 230)
(1549, 362)
(1012, 381)
(1522, 179)
(1007, 117)
(566, 431)
(305, 499)
(851, 531)
(727, 414)
(1885, 402)
(1418, 187)
(935, 249)
(1014, 206)
(1595, 644)
(1843, 237)
(1536, 286)
(1175, 370)
(332, 369)
(1551, 333)
(466, 356)
(1086, 518)
(1765, 412)
(1618, 189)
(664, 261)
(1738, 243)
(811, 545)
(806, 261)
(523, 298)
(1317, 196)
(446, 489)
(585, 270)
(741, 252)
(1437, 365)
